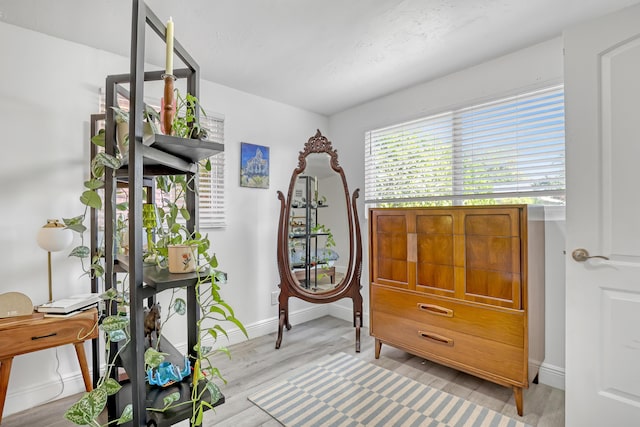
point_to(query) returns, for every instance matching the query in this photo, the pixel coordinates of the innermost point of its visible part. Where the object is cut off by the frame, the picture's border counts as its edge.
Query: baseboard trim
(551, 375)
(270, 326)
(35, 395)
(346, 313)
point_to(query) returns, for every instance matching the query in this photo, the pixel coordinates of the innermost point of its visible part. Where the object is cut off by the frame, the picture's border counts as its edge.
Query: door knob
(581, 255)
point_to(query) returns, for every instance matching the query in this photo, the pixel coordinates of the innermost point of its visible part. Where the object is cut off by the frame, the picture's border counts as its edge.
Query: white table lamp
(53, 237)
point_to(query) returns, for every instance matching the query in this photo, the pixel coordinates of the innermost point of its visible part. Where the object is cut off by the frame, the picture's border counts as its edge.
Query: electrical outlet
(274, 297)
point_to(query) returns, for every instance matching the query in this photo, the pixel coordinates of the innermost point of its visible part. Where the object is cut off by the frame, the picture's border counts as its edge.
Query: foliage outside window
(509, 150)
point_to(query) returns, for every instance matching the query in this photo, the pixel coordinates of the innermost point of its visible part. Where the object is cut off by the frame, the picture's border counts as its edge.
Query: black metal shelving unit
(308, 237)
(158, 155)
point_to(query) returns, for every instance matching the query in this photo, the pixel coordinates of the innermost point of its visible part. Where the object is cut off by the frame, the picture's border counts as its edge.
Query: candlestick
(169, 41)
(168, 110)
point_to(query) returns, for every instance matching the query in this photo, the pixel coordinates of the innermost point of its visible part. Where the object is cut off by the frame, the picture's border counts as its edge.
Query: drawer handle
(436, 337)
(53, 334)
(435, 309)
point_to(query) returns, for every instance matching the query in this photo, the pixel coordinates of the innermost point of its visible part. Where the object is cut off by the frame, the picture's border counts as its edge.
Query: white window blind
(211, 200)
(511, 149)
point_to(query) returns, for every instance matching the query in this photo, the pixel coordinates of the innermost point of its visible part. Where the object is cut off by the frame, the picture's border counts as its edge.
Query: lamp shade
(53, 236)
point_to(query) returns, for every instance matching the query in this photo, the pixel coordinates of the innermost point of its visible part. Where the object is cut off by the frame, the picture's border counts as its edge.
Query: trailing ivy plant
(185, 123)
(116, 328)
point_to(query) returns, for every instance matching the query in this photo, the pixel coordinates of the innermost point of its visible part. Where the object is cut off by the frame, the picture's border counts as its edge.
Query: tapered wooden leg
(517, 395)
(5, 370)
(280, 328)
(82, 359)
(358, 324)
(378, 347)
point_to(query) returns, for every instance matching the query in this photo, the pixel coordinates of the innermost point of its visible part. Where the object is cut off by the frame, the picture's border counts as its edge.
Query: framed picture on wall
(254, 165)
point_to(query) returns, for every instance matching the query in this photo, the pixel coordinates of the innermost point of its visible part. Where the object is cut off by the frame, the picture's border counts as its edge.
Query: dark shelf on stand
(190, 150)
(159, 279)
(169, 155)
(156, 394)
(154, 398)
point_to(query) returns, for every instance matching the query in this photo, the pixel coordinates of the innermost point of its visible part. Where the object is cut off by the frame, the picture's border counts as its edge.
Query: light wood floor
(255, 363)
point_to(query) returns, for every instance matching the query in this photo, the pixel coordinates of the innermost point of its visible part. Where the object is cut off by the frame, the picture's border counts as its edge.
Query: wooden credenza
(461, 286)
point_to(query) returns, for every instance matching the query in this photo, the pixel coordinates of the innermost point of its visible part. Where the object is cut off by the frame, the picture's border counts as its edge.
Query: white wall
(48, 90)
(533, 67)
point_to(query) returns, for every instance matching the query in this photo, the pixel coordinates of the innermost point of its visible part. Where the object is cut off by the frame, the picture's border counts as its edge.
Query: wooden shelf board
(159, 279)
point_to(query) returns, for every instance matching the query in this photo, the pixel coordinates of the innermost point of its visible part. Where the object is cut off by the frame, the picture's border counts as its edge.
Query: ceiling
(321, 55)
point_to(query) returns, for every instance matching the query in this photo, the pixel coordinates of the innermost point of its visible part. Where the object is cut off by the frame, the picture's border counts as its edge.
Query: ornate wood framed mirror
(319, 238)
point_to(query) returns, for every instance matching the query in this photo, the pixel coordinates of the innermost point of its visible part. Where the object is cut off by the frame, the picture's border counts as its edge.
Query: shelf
(300, 236)
(191, 150)
(154, 400)
(311, 207)
(169, 155)
(155, 395)
(159, 279)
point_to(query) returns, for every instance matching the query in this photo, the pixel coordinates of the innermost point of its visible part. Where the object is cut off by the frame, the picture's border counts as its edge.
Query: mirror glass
(318, 227)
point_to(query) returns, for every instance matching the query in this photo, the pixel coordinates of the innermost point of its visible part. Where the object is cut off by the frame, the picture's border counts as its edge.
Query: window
(211, 201)
(505, 151)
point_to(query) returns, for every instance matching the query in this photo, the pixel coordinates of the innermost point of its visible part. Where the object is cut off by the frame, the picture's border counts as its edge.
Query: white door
(602, 89)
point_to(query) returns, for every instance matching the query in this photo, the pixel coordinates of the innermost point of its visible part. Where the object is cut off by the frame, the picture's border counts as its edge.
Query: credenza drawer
(491, 323)
(493, 360)
(49, 332)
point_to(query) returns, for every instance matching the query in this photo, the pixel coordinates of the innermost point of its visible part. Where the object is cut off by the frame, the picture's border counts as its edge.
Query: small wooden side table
(25, 334)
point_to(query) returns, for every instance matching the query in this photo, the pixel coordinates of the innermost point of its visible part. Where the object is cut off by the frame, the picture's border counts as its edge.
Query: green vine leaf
(214, 391)
(153, 357)
(99, 138)
(107, 160)
(94, 184)
(92, 199)
(199, 413)
(77, 414)
(173, 397)
(221, 329)
(80, 252)
(216, 309)
(127, 414)
(180, 306)
(228, 307)
(75, 224)
(110, 294)
(185, 214)
(72, 221)
(117, 335)
(78, 228)
(239, 325)
(111, 386)
(114, 323)
(98, 269)
(90, 405)
(213, 262)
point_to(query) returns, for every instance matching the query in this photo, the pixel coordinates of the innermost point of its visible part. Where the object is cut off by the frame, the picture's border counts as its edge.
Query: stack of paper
(70, 304)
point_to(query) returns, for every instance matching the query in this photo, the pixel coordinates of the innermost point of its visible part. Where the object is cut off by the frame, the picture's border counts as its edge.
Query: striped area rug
(344, 391)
